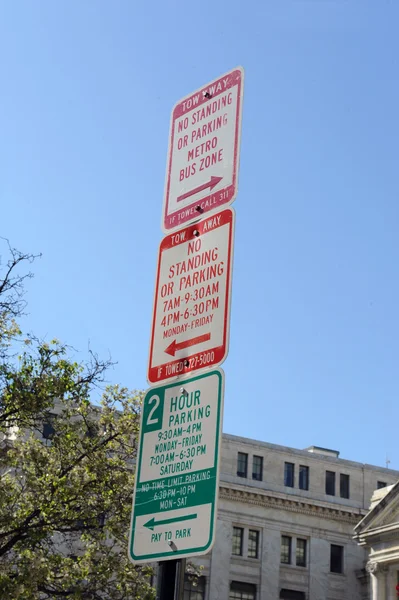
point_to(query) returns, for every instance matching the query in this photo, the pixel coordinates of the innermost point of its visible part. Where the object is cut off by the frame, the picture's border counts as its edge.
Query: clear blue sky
(86, 94)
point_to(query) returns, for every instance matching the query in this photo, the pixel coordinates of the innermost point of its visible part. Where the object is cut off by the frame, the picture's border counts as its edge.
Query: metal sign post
(177, 471)
(170, 579)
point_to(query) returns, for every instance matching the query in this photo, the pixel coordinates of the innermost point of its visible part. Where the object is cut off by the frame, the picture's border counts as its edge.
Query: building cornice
(310, 508)
(384, 532)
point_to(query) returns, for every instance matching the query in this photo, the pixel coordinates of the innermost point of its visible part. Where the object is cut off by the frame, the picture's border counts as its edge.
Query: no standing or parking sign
(203, 154)
(190, 324)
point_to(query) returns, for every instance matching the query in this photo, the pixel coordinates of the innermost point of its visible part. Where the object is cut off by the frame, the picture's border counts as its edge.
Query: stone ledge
(290, 504)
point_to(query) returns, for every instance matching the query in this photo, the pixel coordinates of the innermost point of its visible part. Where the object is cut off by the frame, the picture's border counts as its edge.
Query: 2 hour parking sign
(176, 486)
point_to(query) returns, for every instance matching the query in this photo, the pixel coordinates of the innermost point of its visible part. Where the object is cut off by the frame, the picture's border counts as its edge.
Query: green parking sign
(177, 475)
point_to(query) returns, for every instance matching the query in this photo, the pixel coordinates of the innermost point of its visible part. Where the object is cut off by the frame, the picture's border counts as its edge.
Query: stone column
(392, 582)
(319, 564)
(384, 581)
(218, 588)
(378, 580)
(270, 565)
(385, 578)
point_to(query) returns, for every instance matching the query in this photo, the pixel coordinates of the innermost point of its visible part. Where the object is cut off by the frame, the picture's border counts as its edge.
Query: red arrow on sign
(211, 184)
(174, 347)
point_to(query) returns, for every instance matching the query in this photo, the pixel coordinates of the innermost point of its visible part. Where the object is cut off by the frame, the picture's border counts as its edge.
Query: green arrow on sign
(153, 523)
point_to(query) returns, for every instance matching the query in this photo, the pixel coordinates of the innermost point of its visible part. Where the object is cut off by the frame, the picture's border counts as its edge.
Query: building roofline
(379, 508)
(309, 455)
(322, 450)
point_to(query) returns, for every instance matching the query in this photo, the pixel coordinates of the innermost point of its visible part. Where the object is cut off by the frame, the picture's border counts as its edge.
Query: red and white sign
(203, 154)
(190, 326)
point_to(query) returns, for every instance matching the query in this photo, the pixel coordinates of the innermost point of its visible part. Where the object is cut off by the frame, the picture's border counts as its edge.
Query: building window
(300, 552)
(292, 595)
(257, 468)
(242, 464)
(242, 591)
(194, 591)
(336, 559)
(303, 477)
(289, 474)
(330, 483)
(285, 556)
(92, 430)
(253, 543)
(381, 484)
(344, 485)
(48, 426)
(237, 541)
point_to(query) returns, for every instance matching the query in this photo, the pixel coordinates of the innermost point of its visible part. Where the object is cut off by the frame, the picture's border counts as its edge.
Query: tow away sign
(203, 154)
(191, 315)
(176, 483)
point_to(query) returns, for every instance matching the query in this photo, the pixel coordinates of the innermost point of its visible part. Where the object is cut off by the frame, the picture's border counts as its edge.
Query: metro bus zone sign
(190, 327)
(203, 154)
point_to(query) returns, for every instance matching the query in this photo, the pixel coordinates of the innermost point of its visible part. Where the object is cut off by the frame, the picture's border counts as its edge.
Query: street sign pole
(181, 569)
(171, 579)
(177, 470)
(166, 578)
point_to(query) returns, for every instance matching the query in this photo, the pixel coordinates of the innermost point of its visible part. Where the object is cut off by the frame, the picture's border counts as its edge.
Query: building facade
(285, 525)
(297, 525)
(378, 533)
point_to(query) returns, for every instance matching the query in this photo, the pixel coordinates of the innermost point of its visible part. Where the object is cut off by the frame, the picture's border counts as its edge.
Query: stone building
(285, 525)
(378, 533)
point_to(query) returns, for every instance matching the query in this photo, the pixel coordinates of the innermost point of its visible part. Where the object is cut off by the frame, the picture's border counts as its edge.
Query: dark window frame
(286, 594)
(344, 485)
(191, 591)
(287, 538)
(301, 560)
(337, 559)
(242, 591)
(257, 474)
(242, 461)
(253, 553)
(241, 538)
(289, 474)
(48, 430)
(303, 477)
(330, 483)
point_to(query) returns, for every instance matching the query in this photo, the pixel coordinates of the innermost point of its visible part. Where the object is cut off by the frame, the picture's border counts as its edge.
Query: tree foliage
(65, 499)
